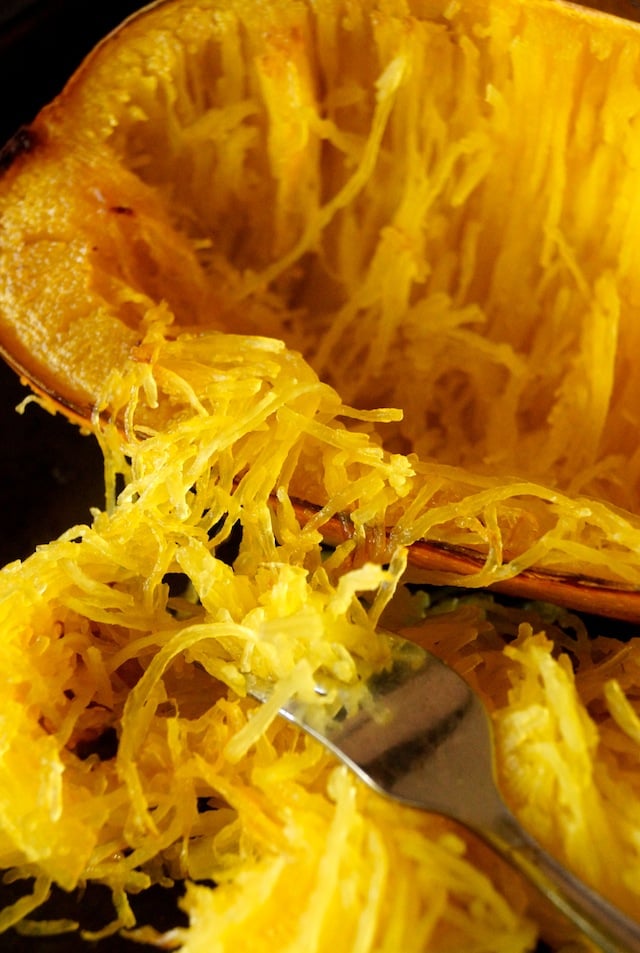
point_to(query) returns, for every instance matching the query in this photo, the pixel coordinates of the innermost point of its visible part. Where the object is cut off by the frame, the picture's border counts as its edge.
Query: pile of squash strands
(203, 785)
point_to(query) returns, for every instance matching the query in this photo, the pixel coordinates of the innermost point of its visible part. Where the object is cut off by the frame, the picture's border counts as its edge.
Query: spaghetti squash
(241, 237)
(411, 195)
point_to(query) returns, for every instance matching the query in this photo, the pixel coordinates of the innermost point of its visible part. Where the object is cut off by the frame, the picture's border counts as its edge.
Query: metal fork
(423, 738)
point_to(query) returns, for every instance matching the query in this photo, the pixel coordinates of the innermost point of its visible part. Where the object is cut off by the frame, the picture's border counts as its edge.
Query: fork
(423, 738)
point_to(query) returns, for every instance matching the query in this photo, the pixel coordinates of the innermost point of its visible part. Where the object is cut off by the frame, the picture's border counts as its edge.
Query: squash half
(436, 203)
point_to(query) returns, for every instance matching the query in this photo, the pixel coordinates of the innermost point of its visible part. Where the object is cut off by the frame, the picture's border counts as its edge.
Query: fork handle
(606, 925)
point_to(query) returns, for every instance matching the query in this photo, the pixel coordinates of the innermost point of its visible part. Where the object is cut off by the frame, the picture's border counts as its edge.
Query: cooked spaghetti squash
(142, 628)
(241, 231)
(434, 203)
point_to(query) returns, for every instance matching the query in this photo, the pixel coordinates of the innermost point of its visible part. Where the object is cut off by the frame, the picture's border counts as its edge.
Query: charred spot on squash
(24, 141)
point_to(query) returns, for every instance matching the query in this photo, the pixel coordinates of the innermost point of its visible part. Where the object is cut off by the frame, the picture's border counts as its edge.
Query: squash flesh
(301, 853)
(472, 227)
(387, 192)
